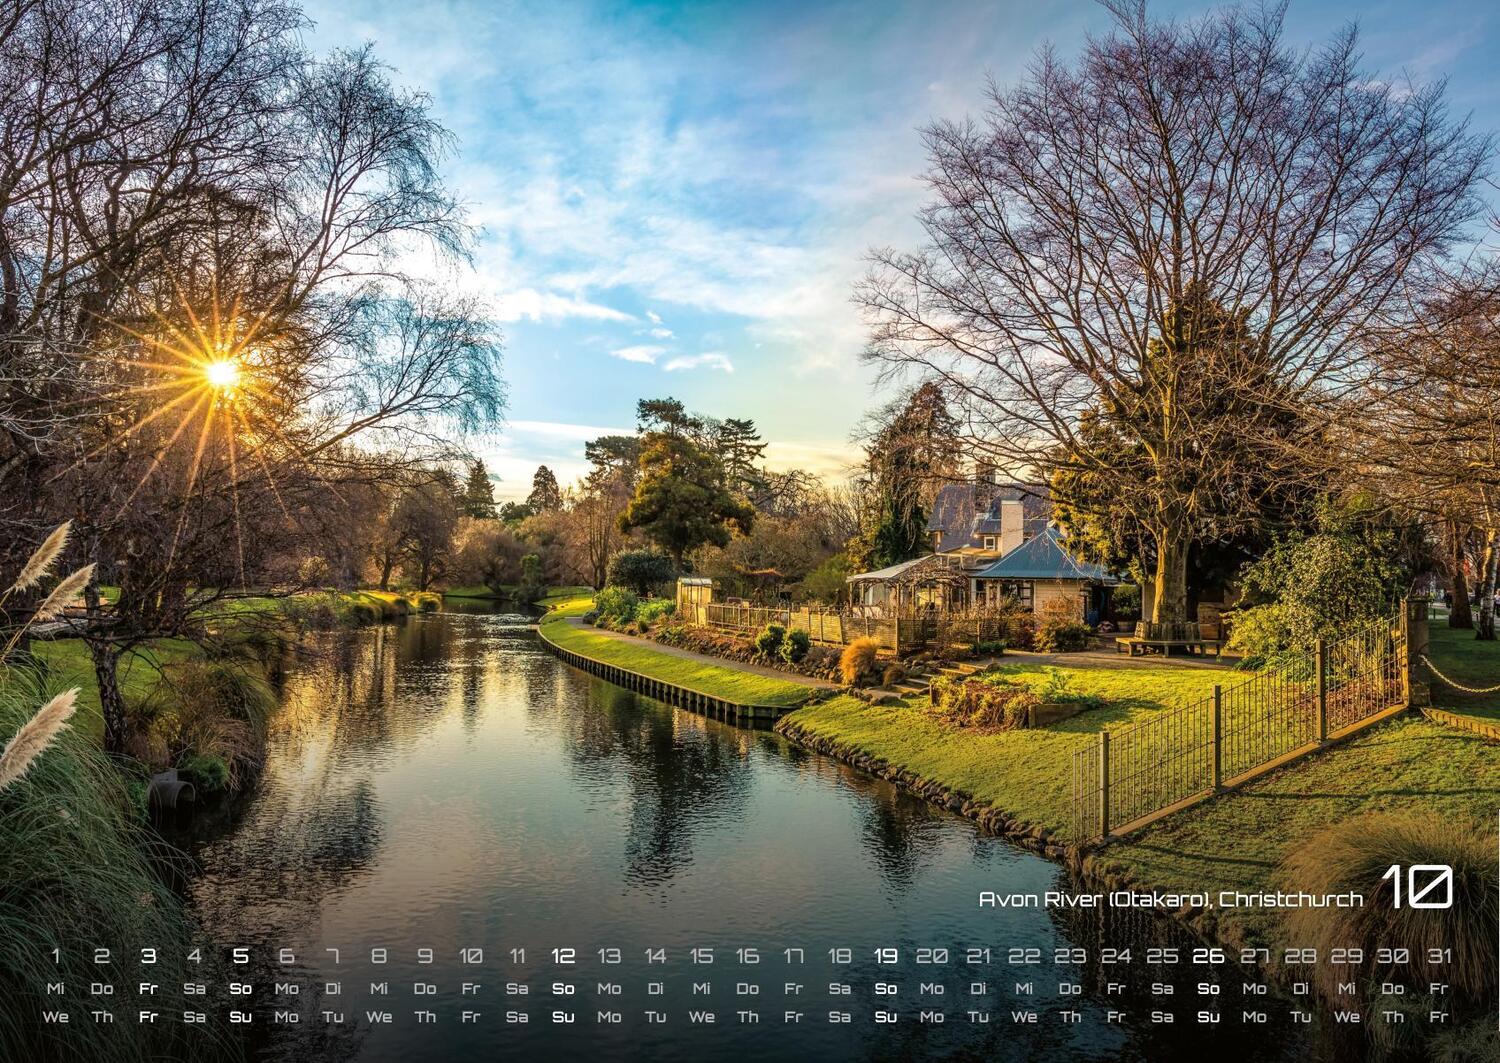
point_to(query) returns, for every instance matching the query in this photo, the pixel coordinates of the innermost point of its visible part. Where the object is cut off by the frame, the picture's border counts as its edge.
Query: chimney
(1012, 524)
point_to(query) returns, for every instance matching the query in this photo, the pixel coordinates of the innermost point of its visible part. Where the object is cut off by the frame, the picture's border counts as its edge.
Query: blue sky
(677, 198)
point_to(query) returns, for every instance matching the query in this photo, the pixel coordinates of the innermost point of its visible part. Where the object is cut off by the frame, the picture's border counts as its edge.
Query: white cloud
(564, 430)
(706, 360)
(642, 352)
(653, 317)
(662, 333)
(538, 306)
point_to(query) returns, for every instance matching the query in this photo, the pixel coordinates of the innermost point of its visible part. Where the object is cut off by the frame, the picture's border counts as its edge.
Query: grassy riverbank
(141, 670)
(729, 683)
(1024, 772)
(1236, 841)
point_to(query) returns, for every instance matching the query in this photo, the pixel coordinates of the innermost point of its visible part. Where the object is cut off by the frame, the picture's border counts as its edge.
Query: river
(446, 784)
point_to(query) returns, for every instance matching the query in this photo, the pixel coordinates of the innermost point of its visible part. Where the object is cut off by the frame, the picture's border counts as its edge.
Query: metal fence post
(1218, 737)
(1104, 784)
(1322, 680)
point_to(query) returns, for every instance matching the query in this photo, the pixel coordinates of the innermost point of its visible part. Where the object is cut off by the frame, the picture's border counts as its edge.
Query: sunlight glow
(223, 374)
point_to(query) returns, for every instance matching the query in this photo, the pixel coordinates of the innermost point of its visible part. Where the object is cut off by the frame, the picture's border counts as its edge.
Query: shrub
(1355, 855)
(858, 662)
(1059, 634)
(591, 617)
(990, 647)
(208, 773)
(428, 602)
(239, 693)
(616, 604)
(211, 708)
(768, 642)
(829, 581)
(359, 613)
(987, 701)
(1125, 602)
(643, 571)
(1317, 586)
(795, 646)
(1059, 691)
(649, 612)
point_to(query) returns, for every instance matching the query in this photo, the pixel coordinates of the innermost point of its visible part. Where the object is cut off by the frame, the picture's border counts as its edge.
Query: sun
(223, 374)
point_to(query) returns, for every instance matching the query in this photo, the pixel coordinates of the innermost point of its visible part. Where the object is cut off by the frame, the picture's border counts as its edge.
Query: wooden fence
(897, 634)
(1138, 774)
(821, 625)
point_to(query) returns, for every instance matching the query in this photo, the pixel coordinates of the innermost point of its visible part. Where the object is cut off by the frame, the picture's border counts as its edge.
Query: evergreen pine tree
(479, 494)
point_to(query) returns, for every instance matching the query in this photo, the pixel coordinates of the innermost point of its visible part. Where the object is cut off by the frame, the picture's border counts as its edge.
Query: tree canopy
(1084, 228)
(681, 501)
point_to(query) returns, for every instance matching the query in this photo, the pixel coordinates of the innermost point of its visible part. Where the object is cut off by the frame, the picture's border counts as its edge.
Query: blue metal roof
(1044, 557)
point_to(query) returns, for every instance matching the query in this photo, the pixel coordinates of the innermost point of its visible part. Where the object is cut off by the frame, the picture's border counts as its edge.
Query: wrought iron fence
(1186, 754)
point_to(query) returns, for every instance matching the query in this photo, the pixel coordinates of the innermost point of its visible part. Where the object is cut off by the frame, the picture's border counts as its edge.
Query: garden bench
(1166, 638)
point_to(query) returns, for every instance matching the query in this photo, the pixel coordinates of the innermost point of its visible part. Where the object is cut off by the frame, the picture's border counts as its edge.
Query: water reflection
(444, 783)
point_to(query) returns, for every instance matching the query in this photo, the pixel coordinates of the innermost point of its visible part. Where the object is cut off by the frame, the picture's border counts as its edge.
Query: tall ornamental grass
(1356, 855)
(76, 874)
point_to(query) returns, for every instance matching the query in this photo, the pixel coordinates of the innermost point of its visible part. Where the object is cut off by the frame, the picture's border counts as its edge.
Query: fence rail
(901, 634)
(1135, 774)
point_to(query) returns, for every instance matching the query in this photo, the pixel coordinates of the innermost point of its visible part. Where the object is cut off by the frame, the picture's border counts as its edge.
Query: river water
(446, 784)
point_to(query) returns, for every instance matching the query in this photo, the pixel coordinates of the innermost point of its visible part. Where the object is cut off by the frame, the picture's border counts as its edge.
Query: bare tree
(1426, 432)
(1174, 172)
(203, 311)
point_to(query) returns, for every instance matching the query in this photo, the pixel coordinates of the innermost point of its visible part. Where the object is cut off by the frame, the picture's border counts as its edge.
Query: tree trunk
(106, 661)
(111, 700)
(1460, 615)
(1170, 581)
(386, 563)
(1489, 571)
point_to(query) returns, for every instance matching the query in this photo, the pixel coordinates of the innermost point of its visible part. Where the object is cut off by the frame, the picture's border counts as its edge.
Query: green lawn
(560, 595)
(731, 684)
(1471, 662)
(1026, 773)
(1231, 842)
(1235, 841)
(68, 660)
(478, 590)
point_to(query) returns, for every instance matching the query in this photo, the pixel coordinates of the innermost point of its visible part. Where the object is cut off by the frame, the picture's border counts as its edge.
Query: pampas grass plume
(40, 562)
(35, 735)
(62, 594)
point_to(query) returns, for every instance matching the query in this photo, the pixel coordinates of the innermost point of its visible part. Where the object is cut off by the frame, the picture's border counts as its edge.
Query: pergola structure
(931, 584)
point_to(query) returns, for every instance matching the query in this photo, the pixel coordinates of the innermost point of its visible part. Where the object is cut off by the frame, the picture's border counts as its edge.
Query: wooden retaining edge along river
(673, 694)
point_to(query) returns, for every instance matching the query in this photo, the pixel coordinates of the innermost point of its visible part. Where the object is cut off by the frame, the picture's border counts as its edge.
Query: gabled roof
(963, 512)
(1044, 557)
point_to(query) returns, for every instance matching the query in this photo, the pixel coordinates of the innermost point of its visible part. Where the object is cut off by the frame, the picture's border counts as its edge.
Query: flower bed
(820, 662)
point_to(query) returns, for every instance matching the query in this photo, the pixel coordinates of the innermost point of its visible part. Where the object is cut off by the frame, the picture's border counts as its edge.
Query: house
(1041, 571)
(973, 524)
(980, 521)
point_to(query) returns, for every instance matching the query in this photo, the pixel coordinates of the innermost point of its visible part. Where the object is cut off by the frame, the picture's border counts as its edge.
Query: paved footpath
(704, 658)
